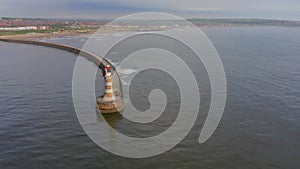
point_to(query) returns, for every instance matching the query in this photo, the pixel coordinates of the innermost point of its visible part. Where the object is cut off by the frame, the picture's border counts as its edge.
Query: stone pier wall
(98, 60)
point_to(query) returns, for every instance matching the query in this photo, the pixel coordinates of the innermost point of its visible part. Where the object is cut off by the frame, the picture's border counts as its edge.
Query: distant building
(19, 28)
(43, 27)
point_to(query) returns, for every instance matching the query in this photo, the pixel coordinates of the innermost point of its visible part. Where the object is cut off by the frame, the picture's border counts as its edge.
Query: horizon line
(187, 18)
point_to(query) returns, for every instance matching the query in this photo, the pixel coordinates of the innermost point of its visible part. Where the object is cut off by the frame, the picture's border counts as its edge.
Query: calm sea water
(260, 127)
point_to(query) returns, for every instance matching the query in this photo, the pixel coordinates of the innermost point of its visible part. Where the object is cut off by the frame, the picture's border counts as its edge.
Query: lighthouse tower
(109, 93)
(109, 102)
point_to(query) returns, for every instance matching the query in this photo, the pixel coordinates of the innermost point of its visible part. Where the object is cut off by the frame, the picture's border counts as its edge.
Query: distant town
(10, 26)
(13, 26)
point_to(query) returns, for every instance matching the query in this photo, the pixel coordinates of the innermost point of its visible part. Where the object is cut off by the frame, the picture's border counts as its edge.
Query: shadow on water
(111, 118)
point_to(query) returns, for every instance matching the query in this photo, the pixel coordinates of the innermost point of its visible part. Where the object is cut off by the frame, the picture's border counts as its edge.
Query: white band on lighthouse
(109, 91)
(108, 84)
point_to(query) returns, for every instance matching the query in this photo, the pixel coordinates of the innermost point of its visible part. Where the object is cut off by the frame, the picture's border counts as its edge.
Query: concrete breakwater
(100, 61)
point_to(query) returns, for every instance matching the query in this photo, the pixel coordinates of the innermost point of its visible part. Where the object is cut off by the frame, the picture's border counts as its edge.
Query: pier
(112, 101)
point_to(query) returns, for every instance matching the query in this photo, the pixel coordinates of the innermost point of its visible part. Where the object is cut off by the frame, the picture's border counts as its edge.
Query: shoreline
(35, 36)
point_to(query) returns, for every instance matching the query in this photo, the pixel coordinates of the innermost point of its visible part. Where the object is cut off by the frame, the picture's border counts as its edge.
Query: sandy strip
(35, 36)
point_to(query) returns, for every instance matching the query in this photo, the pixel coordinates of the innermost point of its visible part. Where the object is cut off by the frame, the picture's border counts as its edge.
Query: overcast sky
(282, 9)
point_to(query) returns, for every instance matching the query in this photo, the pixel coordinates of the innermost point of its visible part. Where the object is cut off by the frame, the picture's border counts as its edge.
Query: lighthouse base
(106, 107)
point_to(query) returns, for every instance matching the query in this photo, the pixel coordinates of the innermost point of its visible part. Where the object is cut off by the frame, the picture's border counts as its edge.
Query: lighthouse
(109, 102)
(109, 93)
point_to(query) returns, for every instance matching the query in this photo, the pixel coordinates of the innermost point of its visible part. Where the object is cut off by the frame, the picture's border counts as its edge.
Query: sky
(110, 9)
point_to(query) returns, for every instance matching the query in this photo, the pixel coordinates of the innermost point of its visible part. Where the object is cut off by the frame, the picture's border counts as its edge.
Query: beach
(33, 36)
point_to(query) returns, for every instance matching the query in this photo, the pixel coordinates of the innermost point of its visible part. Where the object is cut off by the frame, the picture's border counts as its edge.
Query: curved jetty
(112, 101)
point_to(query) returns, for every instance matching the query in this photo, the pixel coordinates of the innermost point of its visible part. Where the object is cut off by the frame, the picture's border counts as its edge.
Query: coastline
(35, 36)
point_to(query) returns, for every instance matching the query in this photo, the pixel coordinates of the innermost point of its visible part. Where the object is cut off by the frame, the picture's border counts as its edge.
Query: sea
(260, 126)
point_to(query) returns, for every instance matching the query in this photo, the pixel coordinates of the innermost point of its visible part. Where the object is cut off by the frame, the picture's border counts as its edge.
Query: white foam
(115, 52)
(123, 82)
(126, 71)
(111, 62)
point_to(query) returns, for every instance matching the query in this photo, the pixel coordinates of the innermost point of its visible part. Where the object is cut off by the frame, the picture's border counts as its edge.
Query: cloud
(114, 8)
